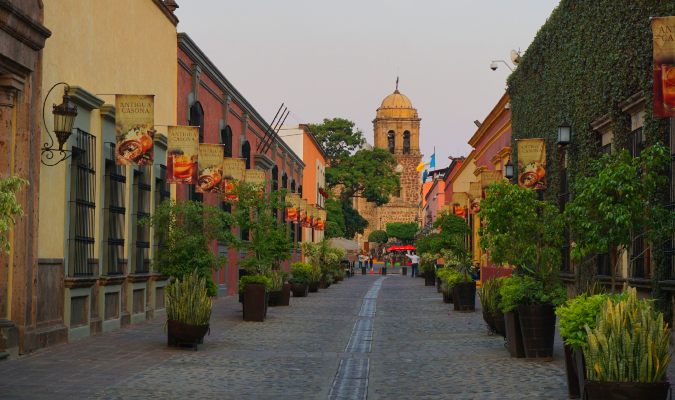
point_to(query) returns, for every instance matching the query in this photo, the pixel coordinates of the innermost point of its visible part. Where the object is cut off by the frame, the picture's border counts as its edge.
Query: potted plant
(428, 266)
(449, 278)
(280, 291)
(188, 310)
(627, 353)
(490, 300)
(300, 276)
(256, 296)
(325, 261)
(526, 233)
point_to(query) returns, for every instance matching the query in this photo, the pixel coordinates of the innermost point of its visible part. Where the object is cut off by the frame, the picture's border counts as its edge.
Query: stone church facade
(396, 129)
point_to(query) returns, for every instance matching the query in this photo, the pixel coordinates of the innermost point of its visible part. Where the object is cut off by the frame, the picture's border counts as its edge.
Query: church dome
(396, 105)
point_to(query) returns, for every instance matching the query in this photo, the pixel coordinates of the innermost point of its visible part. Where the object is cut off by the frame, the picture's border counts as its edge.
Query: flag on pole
(432, 163)
(425, 175)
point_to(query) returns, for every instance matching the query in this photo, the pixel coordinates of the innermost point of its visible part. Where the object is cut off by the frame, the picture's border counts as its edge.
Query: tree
(520, 230)
(379, 236)
(9, 207)
(403, 231)
(367, 173)
(354, 222)
(338, 137)
(621, 202)
(185, 230)
(335, 219)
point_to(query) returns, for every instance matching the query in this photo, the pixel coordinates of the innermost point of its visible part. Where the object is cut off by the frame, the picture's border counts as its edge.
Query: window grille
(143, 196)
(115, 181)
(81, 261)
(406, 142)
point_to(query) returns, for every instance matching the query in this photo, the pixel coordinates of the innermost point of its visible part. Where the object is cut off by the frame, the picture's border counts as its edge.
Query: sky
(341, 58)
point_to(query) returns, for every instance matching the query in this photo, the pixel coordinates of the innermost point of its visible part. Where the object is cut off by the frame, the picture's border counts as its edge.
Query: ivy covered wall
(587, 58)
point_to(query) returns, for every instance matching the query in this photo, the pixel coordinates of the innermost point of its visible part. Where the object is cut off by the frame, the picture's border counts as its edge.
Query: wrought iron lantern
(64, 118)
(509, 171)
(564, 134)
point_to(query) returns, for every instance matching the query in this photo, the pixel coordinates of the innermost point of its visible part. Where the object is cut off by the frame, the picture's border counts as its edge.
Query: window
(143, 195)
(246, 153)
(81, 261)
(406, 142)
(604, 264)
(226, 140)
(197, 119)
(275, 178)
(391, 141)
(115, 184)
(162, 193)
(284, 181)
(637, 142)
(640, 257)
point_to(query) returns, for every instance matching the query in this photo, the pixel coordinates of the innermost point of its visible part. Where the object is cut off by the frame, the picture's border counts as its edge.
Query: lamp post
(564, 134)
(64, 118)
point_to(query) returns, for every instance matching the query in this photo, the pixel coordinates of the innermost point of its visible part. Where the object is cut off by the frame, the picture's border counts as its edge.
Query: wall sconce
(64, 117)
(509, 171)
(564, 134)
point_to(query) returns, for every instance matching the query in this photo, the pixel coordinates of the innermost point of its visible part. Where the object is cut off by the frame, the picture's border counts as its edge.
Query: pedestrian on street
(415, 260)
(371, 263)
(360, 260)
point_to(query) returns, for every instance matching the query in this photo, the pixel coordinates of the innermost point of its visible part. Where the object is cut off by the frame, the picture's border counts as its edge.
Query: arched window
(275, 178)
(197, 119)
(391, 141)
(284, 181)
(406, 142)
(293, 186)
(226, 140)
(246, 153)
(300, 191)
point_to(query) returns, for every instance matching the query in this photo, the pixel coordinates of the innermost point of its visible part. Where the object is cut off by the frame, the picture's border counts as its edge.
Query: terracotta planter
(537, 324)
(514, 339)
(286, 295)
(179, 334)
(595, 390)
(313, 287)
(572, 374)
(255, 302)
(464, 296)
(299, 289)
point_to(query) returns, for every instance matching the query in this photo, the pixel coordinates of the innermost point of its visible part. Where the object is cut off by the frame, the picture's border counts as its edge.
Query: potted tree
(300, 276)
(490, 301)
(526, 233)
(188, 310)
(627, 353)
(280, 290)
(256, 296)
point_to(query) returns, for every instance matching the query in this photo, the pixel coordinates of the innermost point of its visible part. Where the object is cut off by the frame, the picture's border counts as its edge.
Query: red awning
(402, 248)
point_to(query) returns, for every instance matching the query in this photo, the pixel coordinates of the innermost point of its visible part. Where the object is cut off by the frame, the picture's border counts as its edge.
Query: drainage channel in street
(351, 379)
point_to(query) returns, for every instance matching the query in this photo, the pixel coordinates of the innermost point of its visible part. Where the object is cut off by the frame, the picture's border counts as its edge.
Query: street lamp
(509, 171)
(64, 117)
(564, 134)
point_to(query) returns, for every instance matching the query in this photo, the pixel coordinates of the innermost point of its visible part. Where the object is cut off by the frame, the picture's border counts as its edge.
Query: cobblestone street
(387, 338)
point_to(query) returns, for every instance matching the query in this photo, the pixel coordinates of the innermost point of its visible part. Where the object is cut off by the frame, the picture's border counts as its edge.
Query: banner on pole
(182, 154)
(488, 177)
(302, 212)
(663, 43)
(233, 172)
(134, 129)
(532, 163)
(210, 178)
(292, 205)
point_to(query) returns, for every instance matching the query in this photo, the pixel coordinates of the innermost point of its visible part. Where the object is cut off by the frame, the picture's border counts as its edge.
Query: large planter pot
(429, 278)
(594, 390)
(384, 270)
(464, 296)
(572, 374)
(438, 285)
(404, 271)
(447, 297)
(499, 324)
(514, 339)
(537, 324)
(255, 302)
(313, 287)
(299, 289)
(179, 334)
(274, 298)
(324, 284)
(286, 295)
(489, 320)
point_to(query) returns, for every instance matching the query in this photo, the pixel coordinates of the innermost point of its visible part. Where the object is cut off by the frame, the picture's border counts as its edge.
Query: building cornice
(498, 110)
(167, 13)
(602, 124)
(108, 112)
(22, 27)
(634, 102)
(186, 44)
(84, 99)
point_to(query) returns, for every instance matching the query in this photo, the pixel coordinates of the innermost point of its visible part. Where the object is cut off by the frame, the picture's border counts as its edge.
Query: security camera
(493, 66)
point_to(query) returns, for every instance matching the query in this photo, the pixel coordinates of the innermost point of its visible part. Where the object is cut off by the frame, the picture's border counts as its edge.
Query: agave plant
(629, 342)
(187, 300)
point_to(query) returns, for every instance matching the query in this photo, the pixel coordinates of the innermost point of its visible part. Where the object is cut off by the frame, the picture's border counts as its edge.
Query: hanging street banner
(292, 206)
(255, 177)
(321, 215)
(134, 129)
(308, 216)
(302, 211)
(233, 172)
(460, 198)
(663, 43)
(210, 177)
(182, 154)
(475, 190)
(532, 163)
(488, 177)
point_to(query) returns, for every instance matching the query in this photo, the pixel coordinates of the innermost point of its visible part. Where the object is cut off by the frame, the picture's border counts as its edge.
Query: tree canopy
(367, 173)
(378, 237)
(403, 231)
(338, 137)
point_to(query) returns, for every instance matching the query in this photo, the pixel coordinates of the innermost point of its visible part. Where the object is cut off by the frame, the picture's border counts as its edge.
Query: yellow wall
(124, 46)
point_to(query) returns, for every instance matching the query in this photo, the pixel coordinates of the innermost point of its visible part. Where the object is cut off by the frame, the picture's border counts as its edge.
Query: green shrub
(188, 301)
(526, 290)
(581, 311)
(277, 277)
(253, 279)
(300, 273)
(630, 342)
(489, 295)
(449, 278)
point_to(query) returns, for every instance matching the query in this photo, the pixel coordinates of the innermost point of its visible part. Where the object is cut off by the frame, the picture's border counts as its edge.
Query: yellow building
(396, 129)
(94, 258)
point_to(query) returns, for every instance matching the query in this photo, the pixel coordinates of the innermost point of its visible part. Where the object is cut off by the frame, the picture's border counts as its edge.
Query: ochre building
(397, 129)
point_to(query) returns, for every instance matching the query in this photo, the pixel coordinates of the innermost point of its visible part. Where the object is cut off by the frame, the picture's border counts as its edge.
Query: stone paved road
(419, 349)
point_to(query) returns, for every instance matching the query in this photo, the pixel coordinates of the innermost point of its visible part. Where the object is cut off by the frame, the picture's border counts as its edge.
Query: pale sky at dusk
(341, 58)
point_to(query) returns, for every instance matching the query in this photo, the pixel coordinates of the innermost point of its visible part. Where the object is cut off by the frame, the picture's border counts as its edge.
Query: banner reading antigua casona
(532, 163)
(663, 38)
(210, 179)
(134, 129)
(182, 154)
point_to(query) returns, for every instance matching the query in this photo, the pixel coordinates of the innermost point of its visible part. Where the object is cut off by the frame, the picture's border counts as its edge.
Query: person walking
(415, 260)
(360, 261)
(371, 263)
